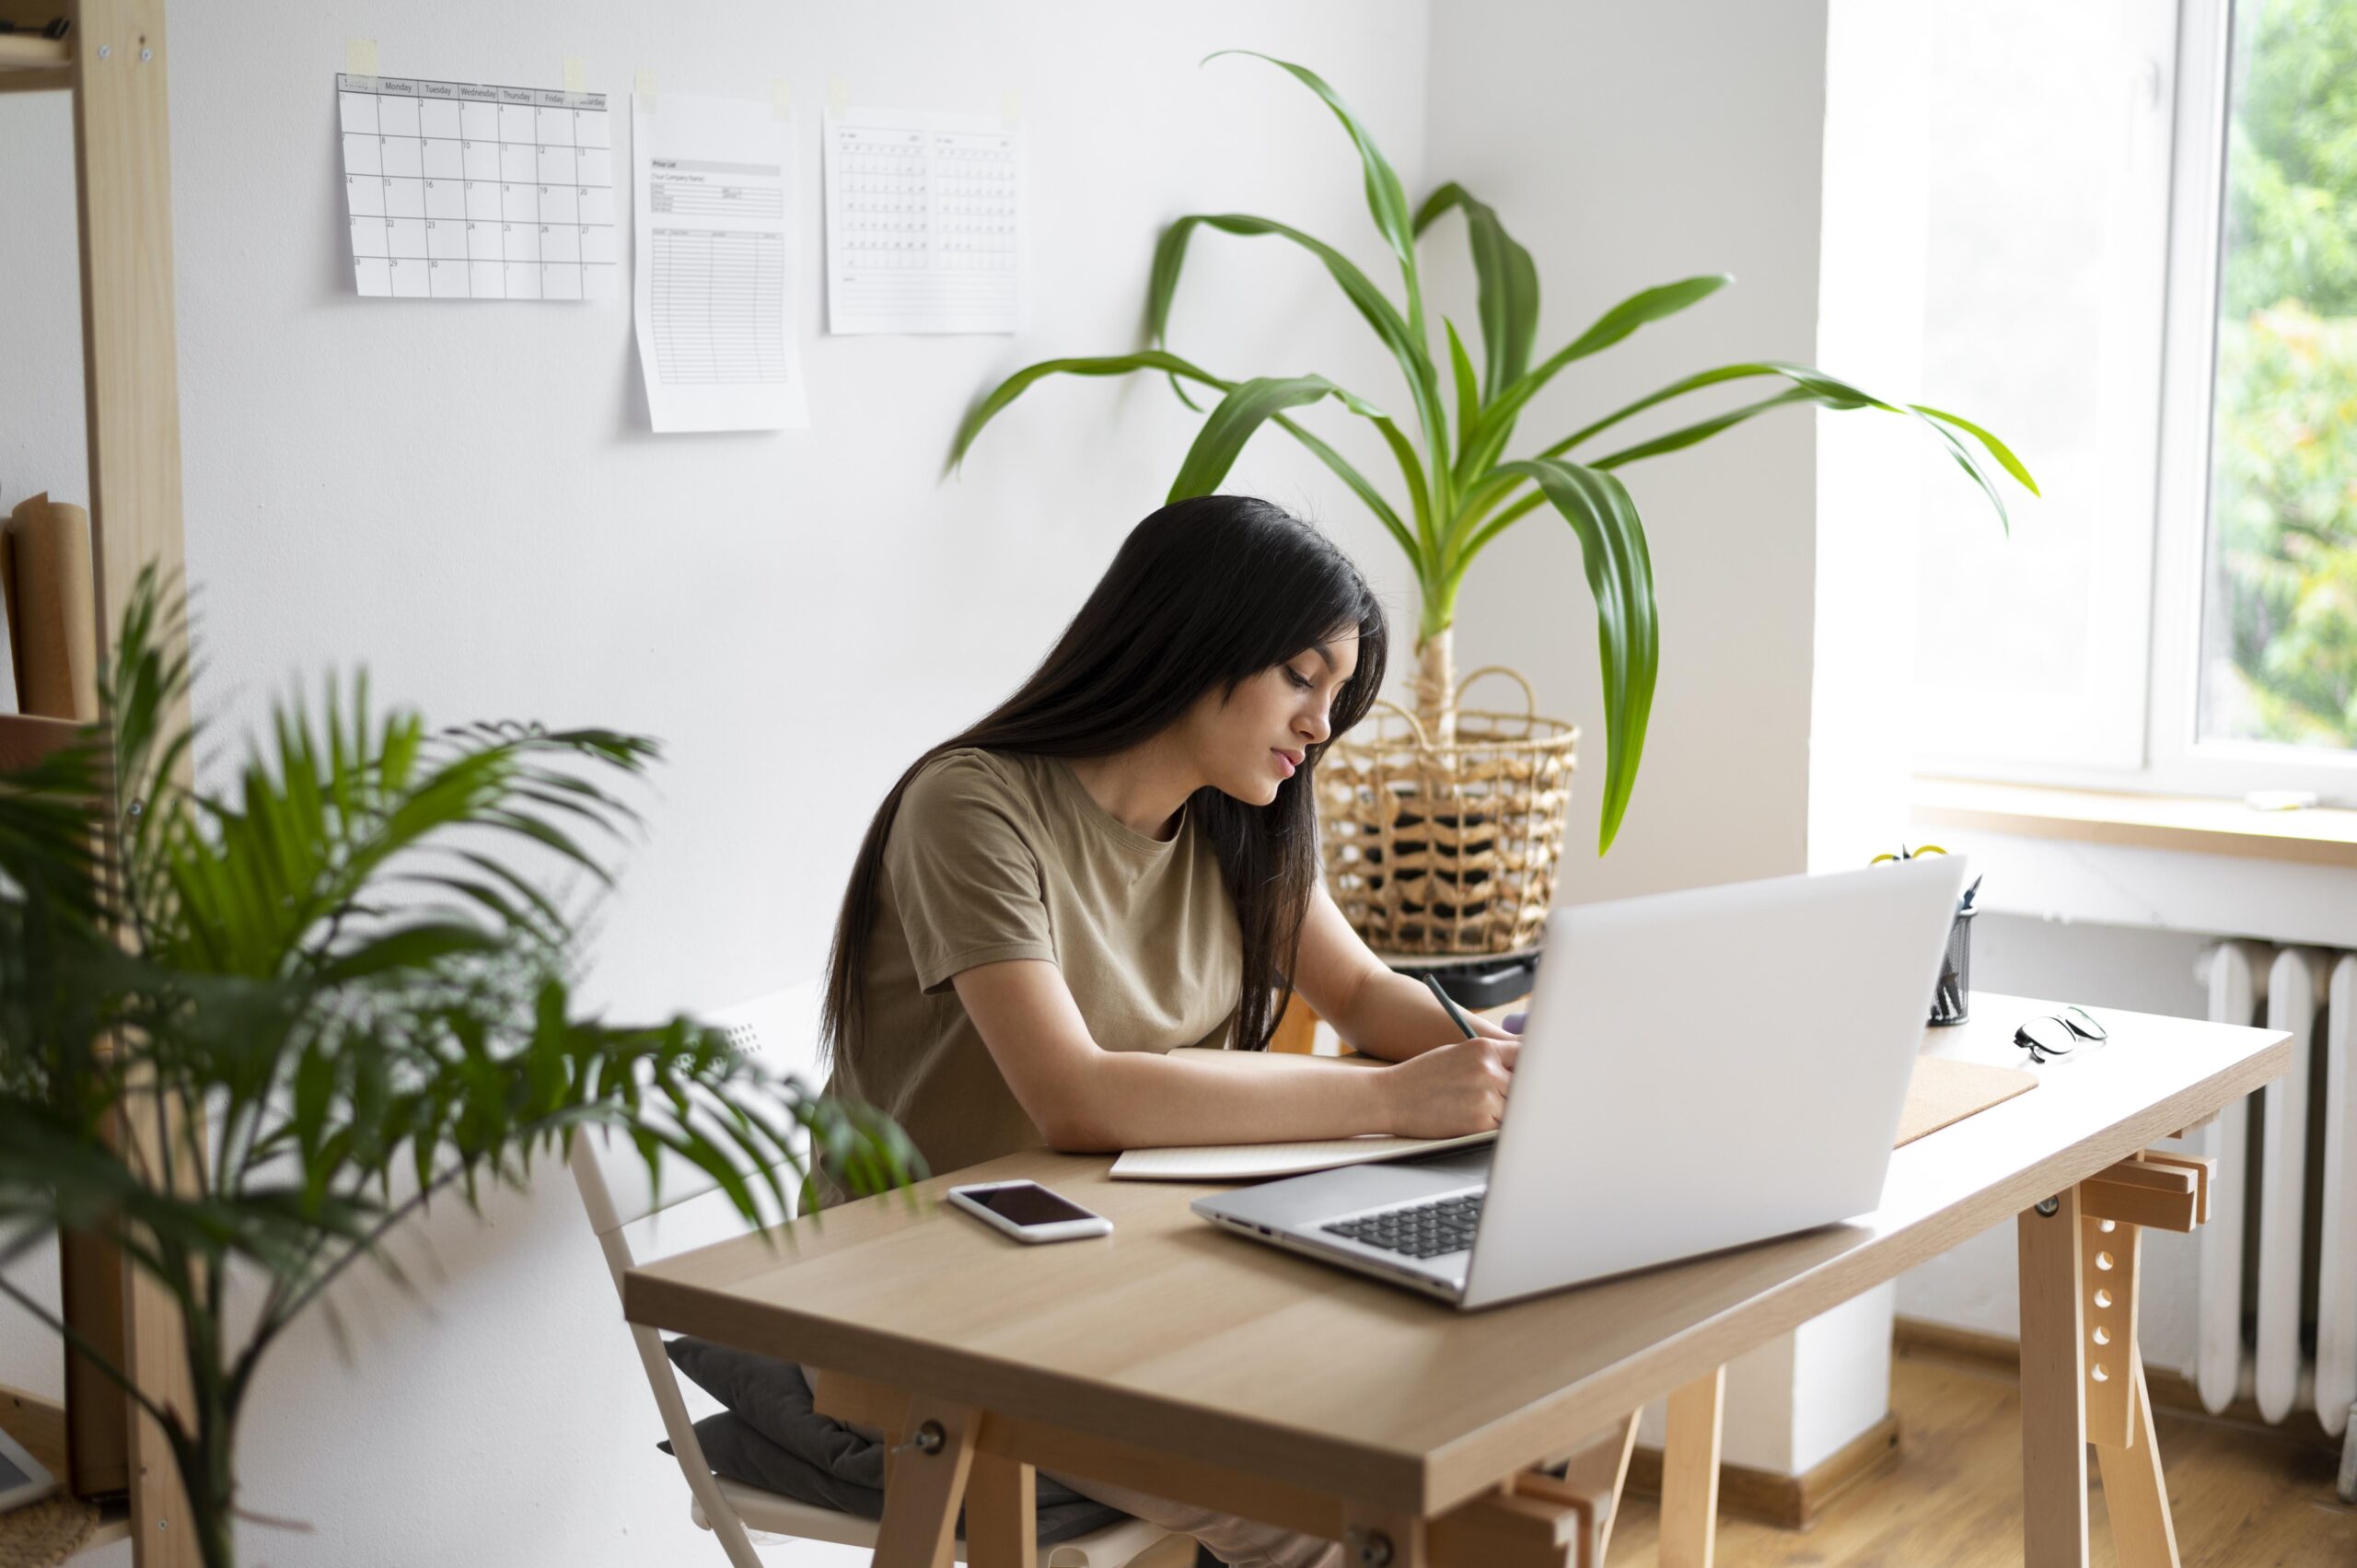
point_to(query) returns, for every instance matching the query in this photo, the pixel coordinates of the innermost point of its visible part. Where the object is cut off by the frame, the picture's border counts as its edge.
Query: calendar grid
(923, 223)
(458, 190)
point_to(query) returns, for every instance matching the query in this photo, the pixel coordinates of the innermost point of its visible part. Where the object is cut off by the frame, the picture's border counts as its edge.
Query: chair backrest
(781, 1029)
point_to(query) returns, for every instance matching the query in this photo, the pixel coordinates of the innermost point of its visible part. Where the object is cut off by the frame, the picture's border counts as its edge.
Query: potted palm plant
(1449, 842)
(244, 1035)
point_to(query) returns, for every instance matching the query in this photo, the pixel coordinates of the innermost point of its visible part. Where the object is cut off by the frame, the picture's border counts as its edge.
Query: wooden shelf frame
(40, 1425)
(26, 738)
(114, 62)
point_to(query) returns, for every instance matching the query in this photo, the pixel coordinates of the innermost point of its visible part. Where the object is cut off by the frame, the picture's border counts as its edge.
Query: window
(2278, 659)
(2047, 267)
(2144, 273)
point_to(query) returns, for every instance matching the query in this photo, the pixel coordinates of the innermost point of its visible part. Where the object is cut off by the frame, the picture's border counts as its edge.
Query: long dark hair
(1205, 592)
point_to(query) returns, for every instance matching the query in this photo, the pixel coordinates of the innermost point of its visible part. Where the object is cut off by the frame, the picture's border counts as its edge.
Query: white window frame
(2172, 760)
(2179, 763)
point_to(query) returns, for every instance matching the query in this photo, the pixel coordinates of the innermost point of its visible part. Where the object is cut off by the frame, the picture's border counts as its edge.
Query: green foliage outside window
(2282, 635)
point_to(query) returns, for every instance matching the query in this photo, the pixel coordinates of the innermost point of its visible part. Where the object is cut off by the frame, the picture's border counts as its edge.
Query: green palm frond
(348, 969)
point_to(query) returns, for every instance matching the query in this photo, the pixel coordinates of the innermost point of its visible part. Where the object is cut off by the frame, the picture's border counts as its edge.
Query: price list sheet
(924, 222)
(711, 191)
(457, 191)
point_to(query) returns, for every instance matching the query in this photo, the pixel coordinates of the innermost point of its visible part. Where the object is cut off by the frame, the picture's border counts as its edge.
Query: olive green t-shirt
(996, 855)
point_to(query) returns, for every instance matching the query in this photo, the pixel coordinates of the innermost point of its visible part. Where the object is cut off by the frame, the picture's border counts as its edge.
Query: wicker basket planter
(1450, 848)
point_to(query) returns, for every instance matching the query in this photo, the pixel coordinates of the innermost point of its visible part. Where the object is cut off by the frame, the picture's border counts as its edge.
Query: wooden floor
(2241, 1498)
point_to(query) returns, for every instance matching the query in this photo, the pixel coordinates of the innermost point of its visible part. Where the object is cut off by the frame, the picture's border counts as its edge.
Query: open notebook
(1252, 1162)
(1940, 1093)
(1242, 1162)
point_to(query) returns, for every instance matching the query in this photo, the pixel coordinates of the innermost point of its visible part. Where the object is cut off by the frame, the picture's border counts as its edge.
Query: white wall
(464, 498)
(1876, 232)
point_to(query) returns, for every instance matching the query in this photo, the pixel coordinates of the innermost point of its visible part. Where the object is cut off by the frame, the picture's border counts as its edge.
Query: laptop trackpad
(1302, 1200)
(1457, 1165)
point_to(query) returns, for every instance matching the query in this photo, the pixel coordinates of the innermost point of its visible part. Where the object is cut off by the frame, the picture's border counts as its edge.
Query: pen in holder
(1956, 971)
(1948, 1005)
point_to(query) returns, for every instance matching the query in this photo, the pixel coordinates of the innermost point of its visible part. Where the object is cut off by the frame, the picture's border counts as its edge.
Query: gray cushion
(734, 1449)
(773, 1397)
(771, 1437)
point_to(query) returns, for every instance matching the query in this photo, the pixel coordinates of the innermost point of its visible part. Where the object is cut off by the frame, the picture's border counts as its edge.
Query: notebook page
(1238, 1162)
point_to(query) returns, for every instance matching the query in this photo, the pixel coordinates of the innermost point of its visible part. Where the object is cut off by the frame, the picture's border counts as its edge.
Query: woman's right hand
(1452, 1089)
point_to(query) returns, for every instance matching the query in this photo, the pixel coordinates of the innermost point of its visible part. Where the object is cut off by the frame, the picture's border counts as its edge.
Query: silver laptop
(1700, 1070)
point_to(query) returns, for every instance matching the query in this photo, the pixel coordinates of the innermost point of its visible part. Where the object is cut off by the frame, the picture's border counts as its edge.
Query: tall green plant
(1462, 489)
(251, 1033)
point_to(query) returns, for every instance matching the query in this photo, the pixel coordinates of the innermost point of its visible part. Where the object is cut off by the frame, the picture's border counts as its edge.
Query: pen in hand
(1465, 1030)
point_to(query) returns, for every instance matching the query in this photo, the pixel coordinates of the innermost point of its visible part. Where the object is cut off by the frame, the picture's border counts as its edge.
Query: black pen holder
(1948, 1004)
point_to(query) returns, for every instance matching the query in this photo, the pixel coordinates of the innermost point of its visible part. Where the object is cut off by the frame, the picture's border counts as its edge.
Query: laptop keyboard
(1424, 1230)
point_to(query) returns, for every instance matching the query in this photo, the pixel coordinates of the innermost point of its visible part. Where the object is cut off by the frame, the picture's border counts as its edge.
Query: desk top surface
(1239, 1353)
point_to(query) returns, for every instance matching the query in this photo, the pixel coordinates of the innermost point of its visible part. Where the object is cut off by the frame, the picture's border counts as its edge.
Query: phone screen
(1027, 1202)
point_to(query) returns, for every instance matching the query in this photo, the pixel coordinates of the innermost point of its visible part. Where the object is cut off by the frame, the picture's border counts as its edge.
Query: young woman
(1122, 859)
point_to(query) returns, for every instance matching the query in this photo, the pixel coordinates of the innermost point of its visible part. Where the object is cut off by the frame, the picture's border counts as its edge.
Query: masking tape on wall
(359, 56)
(1010, 111)
(576, 74)
(781, 99)
(644, 87)
(838, 95)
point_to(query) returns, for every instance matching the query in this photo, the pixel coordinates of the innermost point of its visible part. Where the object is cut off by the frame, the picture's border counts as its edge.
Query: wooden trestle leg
(1690, 1472)
(1537, 1519)
(926, 1484)
(940, 1454)
(2082, 1370)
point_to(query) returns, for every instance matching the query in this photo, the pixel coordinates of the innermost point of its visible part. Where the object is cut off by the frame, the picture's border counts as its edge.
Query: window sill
(2319, 836)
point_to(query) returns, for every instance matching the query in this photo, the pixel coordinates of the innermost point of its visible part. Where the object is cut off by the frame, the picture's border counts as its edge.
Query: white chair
(617, 1193)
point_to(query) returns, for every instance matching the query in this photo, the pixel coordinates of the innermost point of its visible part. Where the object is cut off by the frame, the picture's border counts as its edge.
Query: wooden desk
(1172, 1357)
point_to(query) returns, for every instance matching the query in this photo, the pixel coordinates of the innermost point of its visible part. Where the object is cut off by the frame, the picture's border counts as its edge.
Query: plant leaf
(1639, 309)
(1701, 430)
(1241, 413)
(1997, 449)
(1468, 394)
(1620, 576)
(1826, 390)
(1358, 482)
(1506, 285)
(417, 947)
(1808, 385)
(1387, 198)
(1373, 307)
(1015, 386)
(1968, 463)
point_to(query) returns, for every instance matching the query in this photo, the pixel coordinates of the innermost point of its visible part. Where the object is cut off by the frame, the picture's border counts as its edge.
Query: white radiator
(2302, 1144)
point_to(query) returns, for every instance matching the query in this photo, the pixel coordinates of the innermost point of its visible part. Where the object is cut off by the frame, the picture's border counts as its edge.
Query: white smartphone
(1028, 1212)
(23, 1479)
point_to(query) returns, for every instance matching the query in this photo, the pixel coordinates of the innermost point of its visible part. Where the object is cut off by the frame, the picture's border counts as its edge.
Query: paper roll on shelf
(9, 701)
(52, 609)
